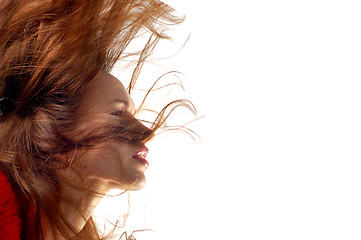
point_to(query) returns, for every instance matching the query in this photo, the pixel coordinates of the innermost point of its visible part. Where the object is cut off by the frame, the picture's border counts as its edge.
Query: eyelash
(117, 113)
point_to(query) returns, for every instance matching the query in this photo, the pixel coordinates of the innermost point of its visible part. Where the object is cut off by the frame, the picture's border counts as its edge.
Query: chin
(135, 183)
(139, 183)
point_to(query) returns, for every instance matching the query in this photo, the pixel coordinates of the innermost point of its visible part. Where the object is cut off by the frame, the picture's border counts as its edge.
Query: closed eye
(117, 113)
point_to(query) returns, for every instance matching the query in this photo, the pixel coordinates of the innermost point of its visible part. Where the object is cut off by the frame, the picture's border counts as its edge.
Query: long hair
(49, 51)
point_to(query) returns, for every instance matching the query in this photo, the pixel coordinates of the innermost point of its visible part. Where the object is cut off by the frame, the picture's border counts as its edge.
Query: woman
(68, 133)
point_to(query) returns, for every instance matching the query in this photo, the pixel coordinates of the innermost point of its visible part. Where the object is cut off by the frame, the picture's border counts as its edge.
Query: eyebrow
(128, 104)
(121, 101)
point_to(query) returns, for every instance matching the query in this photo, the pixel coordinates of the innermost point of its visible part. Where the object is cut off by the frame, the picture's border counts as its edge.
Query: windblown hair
(49, 51)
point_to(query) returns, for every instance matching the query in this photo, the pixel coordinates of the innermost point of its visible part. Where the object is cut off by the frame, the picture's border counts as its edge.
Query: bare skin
(112, 164)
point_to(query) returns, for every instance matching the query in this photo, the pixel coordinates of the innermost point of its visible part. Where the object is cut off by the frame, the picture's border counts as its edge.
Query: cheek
(104, 161)
(112, 163)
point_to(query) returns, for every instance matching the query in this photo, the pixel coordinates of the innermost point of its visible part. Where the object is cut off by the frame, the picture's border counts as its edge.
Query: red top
(10, 222)
(16, 215)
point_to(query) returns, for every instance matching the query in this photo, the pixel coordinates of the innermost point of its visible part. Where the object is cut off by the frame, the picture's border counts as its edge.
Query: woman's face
(113, 164)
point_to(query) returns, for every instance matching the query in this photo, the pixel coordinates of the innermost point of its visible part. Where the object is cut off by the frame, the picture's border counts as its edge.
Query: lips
(141, 156)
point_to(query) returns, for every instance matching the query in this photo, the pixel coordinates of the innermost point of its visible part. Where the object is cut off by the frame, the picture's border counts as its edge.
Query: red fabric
(30, 224)
(10, 223)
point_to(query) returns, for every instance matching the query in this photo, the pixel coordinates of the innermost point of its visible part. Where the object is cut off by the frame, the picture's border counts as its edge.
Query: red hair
(50, 50)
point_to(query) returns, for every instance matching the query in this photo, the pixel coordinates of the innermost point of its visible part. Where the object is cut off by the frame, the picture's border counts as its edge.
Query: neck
(85, 203)
(81, 206)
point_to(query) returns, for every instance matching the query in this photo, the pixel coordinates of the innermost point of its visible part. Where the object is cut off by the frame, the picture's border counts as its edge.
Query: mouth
(141, 156)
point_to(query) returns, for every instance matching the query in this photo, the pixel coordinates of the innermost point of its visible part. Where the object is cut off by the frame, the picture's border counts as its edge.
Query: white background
(278, 83)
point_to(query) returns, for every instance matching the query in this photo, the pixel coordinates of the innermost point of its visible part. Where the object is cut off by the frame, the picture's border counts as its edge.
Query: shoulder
(10, 223)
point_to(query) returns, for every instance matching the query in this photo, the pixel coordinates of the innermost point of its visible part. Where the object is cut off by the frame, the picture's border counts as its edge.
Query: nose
(147, 133)
(150, 136)
(142, 134)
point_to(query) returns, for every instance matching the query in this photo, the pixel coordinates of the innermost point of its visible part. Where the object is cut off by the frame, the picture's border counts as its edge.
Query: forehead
(105, 90)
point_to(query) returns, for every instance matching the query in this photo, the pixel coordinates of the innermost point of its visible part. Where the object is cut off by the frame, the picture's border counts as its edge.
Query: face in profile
(113, 163)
